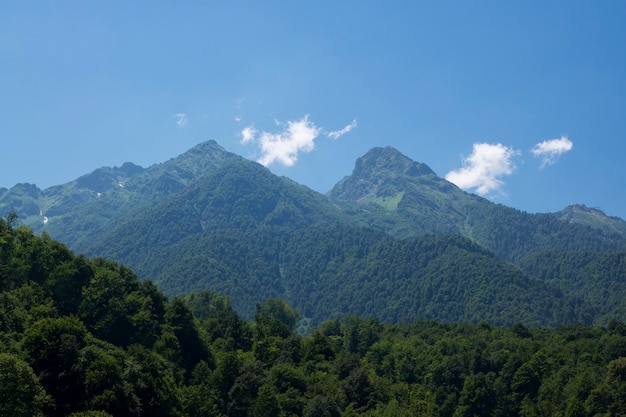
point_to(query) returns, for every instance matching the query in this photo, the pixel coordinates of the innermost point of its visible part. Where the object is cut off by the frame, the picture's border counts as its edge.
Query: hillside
(239, 195)
(78, 212)
(248, 234)
(209, 219)
(331, 273)
(85, 337)
(597, 277)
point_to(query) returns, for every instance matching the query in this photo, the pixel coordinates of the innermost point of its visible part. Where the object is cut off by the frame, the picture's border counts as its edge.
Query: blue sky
(522, 102)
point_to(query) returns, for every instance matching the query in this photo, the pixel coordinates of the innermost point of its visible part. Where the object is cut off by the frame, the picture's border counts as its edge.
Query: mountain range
(392, 241)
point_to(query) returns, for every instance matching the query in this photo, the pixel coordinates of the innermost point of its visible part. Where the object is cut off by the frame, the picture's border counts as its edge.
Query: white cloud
(550, 150)
(483, 169)
(181, 119)
(283, 147)
(248, 134)
(335, 134)
(295, 136)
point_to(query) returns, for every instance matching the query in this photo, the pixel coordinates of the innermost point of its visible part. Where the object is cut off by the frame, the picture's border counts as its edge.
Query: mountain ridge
(367, 168)
(211, 219)
(9, 202)
(416, 201)
(78, 211)
(581, 214)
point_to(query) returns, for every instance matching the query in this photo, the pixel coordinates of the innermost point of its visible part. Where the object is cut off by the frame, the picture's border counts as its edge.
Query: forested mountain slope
(239, 195)
(248, 234)
(211, 219)
(81, 210)
(85, 337)
(332, 273)
(599, 278)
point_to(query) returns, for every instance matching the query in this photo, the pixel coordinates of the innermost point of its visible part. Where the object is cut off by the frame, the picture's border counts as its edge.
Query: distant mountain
(392, 240)
(593, 217)
(381, 173)
(407, 199)
(33, 204)
(80, 211)
(22, 198)
(413, 199)
(249, 234)
(238, 196)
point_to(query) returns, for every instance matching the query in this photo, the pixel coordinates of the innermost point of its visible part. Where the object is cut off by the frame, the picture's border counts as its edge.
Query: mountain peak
(208, 146)
(380, 172)
(389, 161)
(594, 217)
(107, 178)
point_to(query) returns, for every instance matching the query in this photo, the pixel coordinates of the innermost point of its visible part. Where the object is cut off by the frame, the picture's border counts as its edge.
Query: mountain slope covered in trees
(85, 337)
(334, 272)
(81, 210)
(209, 219)
(248, 234)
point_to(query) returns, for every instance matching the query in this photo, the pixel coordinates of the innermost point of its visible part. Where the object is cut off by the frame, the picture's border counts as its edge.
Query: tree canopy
(117, 347)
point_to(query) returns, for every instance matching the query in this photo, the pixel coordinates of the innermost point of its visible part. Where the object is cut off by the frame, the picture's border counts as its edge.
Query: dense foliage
(328, 272)
(599, 277)
(85, 337)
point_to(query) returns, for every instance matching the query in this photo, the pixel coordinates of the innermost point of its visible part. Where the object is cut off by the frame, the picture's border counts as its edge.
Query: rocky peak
(382, 172)
(388, 161)
(594, 217)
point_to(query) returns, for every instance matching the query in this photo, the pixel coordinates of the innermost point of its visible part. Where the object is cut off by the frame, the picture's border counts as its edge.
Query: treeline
(85, 337)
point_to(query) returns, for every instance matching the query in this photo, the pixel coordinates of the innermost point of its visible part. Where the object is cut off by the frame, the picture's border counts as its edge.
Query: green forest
(85, 337)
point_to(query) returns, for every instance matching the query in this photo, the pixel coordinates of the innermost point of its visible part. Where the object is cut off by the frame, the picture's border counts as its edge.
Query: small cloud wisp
(248, 133)
(550, 150)
(337, 133)
(483, 169)
(181, 119)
